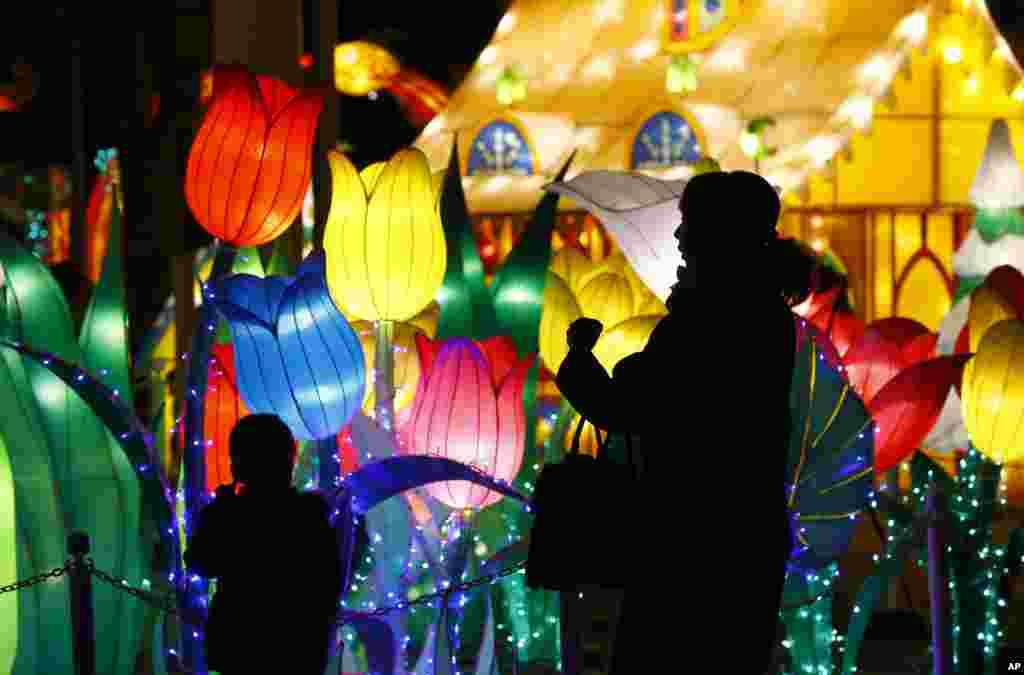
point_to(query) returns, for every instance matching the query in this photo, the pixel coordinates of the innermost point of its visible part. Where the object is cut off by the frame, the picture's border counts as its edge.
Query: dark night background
(172, 39)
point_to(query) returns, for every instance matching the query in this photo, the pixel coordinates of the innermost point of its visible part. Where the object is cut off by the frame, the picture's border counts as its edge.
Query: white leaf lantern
(640, 212)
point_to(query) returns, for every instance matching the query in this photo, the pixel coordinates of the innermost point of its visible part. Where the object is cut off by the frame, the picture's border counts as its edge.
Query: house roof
(595, 73)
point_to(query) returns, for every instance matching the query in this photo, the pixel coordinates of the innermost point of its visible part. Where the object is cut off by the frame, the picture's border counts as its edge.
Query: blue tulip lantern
(296, 355)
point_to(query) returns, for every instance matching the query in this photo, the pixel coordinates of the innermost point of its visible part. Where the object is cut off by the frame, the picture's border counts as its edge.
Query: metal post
(571, 647)
(938, 583)
(83, 632)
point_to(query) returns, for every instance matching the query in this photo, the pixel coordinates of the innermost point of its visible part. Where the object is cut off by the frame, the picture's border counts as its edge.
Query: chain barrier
(442, 594)
(169, 605)
(164, 603)
(55, 573)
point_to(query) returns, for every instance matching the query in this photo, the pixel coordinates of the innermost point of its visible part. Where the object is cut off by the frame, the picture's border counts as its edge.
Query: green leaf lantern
(98, 491)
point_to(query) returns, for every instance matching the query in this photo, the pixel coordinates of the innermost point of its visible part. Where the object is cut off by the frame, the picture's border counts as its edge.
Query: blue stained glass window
(666, 139)
(499, 149)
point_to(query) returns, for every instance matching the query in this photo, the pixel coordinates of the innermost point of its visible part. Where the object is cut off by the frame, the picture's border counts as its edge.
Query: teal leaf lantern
(830, 460)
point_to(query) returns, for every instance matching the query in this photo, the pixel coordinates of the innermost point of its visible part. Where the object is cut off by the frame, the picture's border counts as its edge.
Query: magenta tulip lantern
(469, 410)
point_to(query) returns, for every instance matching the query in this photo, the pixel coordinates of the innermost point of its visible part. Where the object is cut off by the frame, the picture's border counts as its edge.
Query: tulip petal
(322, 353)
(457, 415)
(261, 367)
(240, 145)
(284, 172)
(369, 176)
(511, 433)
(275, 95)
(405, 254)
(260, 297)
(235, 103)
(500, 352)
(345, 237)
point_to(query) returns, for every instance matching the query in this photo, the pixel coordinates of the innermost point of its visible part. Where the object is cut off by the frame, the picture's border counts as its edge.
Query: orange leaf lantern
(97, 225)
(886, 347)
(250, 163)
(908, 406)
(469, 408)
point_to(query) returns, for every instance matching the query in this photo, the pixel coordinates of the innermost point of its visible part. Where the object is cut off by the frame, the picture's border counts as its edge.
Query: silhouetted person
(707, 402)
(275, 557)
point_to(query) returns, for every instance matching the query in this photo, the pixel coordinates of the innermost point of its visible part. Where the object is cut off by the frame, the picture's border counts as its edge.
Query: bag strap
(602, 443)
(574, 449)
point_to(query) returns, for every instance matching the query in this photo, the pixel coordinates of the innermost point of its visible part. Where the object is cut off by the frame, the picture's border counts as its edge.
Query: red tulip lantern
(250, 164)
(886, 347)
(907, 408)
(224, 407)
(469, 408)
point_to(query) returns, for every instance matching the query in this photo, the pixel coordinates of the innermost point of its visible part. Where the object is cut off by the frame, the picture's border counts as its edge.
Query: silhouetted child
(707, 402)
(275, 557)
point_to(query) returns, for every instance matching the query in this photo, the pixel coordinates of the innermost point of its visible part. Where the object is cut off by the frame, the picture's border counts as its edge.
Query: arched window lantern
(665, 140)
(500, 148)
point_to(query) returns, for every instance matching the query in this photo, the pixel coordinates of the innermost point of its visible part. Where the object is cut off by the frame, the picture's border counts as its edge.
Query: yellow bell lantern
(987, 309)
(384, 243)
(572, 266)
(362, 67)
(993, 393)
(406, 360)
(618, 264)
(560, 310)
(623, 339)
(649, 303)
(607, 298)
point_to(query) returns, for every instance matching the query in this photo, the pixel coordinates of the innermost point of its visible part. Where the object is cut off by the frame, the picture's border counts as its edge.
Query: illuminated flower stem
(384, 374)
(195, 445)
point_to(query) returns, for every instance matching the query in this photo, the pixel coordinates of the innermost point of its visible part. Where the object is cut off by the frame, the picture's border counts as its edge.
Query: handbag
(579, 506)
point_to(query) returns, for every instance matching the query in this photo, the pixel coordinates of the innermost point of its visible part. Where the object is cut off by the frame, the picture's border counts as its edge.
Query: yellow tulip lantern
(607, 298)
(386, 253)
(993, 394)
(560, 310)
(988, 307)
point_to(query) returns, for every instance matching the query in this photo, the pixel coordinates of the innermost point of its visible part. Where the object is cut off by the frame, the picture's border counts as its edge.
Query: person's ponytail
(791, 268)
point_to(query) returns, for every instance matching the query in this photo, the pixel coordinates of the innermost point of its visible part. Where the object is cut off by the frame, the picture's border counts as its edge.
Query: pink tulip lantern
(469, 408)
